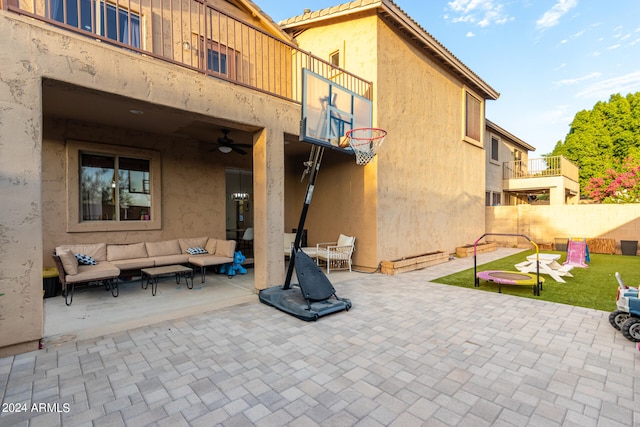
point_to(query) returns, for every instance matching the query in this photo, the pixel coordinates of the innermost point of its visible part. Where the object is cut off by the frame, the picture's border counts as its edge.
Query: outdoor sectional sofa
(109, 260)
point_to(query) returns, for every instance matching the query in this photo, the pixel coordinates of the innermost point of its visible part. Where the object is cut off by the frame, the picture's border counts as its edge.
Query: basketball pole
(313, 166)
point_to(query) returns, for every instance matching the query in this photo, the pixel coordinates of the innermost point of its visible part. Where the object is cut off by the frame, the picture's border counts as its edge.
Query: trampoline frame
(537, 287)
(532, 280)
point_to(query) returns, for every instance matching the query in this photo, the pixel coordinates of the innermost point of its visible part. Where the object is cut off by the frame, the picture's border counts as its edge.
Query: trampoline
(507, 277)
(511, 278)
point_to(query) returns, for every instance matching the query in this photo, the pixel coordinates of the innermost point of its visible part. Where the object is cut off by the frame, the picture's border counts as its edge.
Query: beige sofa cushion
(134, 250)
(69, 261)
(170, 259)
(195, 242)
(166, 247)
(208, 260)
(97, 251)
(225, 248)
(134, 263)
(210, 247)
(86, 273)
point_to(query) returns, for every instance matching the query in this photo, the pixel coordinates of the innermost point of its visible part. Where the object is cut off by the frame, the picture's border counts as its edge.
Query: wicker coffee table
(152, 275)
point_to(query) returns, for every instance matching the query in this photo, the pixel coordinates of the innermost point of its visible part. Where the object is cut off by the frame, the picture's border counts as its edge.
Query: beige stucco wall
(425, 190)
(32, 51)
(543, 224)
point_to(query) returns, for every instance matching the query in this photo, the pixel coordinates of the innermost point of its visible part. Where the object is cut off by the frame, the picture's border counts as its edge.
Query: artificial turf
(593, 287)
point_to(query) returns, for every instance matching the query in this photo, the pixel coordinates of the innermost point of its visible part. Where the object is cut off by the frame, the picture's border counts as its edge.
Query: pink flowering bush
(621, 186)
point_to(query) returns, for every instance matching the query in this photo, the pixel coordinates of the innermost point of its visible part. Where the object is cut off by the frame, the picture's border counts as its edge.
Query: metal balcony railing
(536, 168)
(195, 35)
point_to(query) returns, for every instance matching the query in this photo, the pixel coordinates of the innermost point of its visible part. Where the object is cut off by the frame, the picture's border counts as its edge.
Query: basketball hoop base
(309, 300)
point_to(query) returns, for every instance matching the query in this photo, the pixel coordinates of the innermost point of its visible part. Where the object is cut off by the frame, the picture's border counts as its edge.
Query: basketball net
(365, 143)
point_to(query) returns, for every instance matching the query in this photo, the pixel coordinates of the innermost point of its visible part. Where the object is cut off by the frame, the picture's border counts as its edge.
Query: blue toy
(231, 269)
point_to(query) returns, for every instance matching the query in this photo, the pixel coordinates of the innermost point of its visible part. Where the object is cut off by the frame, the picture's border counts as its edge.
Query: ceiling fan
(226, 144)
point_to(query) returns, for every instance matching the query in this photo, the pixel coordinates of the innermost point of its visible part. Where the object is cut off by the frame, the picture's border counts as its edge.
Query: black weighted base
(309, 300)
(292, 302)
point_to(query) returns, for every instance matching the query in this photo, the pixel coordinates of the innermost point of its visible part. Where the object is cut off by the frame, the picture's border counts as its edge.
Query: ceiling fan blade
(237, 150)
(243, 145)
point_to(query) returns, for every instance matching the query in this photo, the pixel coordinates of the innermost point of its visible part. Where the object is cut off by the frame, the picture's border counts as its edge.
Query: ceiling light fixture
(137, 112)
(224, 149)
(239, 196)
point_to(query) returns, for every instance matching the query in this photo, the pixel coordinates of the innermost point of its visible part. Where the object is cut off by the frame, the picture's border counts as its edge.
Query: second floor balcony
(554, 175)
(537, 168)
(195, 35)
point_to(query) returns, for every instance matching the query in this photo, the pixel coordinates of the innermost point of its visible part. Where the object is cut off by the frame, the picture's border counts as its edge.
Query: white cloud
(568, 82)
(628, 83)
(470, 34)
(551, 18)
(559, 114)
(482, 13)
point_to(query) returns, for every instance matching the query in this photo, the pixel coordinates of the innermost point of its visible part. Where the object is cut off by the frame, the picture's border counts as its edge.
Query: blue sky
(548, 59)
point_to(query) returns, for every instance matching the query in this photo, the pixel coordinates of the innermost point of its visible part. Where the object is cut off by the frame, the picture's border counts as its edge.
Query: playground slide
(577, 253)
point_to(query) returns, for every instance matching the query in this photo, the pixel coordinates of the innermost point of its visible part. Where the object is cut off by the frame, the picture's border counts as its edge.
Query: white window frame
(74, 220)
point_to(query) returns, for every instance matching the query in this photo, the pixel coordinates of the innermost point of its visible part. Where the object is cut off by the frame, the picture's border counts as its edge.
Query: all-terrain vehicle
(627, 316)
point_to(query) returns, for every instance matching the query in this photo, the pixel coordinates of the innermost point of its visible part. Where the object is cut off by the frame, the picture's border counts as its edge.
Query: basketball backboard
(329, 110)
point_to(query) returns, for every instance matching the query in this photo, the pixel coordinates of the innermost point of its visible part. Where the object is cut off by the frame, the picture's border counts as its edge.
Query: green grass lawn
(592, 287)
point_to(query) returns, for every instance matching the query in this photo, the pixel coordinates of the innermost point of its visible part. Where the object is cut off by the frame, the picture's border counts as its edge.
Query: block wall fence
(546, 224)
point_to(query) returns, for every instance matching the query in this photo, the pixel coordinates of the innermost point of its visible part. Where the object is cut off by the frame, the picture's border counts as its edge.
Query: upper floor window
(494, 148)
(334, 59)
(473, 117)
(220, 59)
(111, 21)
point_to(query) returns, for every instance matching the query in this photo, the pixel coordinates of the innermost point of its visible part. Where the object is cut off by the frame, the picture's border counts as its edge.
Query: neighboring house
(111, 118)
(513, 178)
(503, 147)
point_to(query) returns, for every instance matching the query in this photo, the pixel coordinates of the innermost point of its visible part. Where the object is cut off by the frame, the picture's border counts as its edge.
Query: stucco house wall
(33, 159)
(425, 190)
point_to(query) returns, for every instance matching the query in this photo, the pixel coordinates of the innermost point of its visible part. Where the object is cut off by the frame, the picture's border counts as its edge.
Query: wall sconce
(186, 46)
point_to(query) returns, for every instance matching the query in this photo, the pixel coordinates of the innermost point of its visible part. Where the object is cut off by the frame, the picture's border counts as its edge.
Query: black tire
(631, 329)
(617, 318)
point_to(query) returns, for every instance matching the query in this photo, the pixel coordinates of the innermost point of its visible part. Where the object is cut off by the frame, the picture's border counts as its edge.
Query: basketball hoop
(365, 143)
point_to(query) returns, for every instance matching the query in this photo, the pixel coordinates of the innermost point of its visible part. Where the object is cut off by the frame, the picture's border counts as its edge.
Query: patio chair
(289, 239)
(336, 255)
(247, 240)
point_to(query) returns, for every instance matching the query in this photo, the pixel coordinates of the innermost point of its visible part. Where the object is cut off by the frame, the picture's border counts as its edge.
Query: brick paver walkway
(409, 353)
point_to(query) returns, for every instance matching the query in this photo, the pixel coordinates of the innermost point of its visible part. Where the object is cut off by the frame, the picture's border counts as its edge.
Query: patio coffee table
(152, 274)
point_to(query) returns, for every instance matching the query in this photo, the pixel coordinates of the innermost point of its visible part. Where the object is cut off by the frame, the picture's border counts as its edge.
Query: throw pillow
(85, 259)
(196, 251)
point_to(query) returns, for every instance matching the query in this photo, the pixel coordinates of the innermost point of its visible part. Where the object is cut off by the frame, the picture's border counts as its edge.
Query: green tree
(600, 140)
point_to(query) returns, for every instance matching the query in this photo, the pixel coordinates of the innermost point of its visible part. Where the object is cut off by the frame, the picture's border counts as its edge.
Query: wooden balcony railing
(536, 168)
(194, 35)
